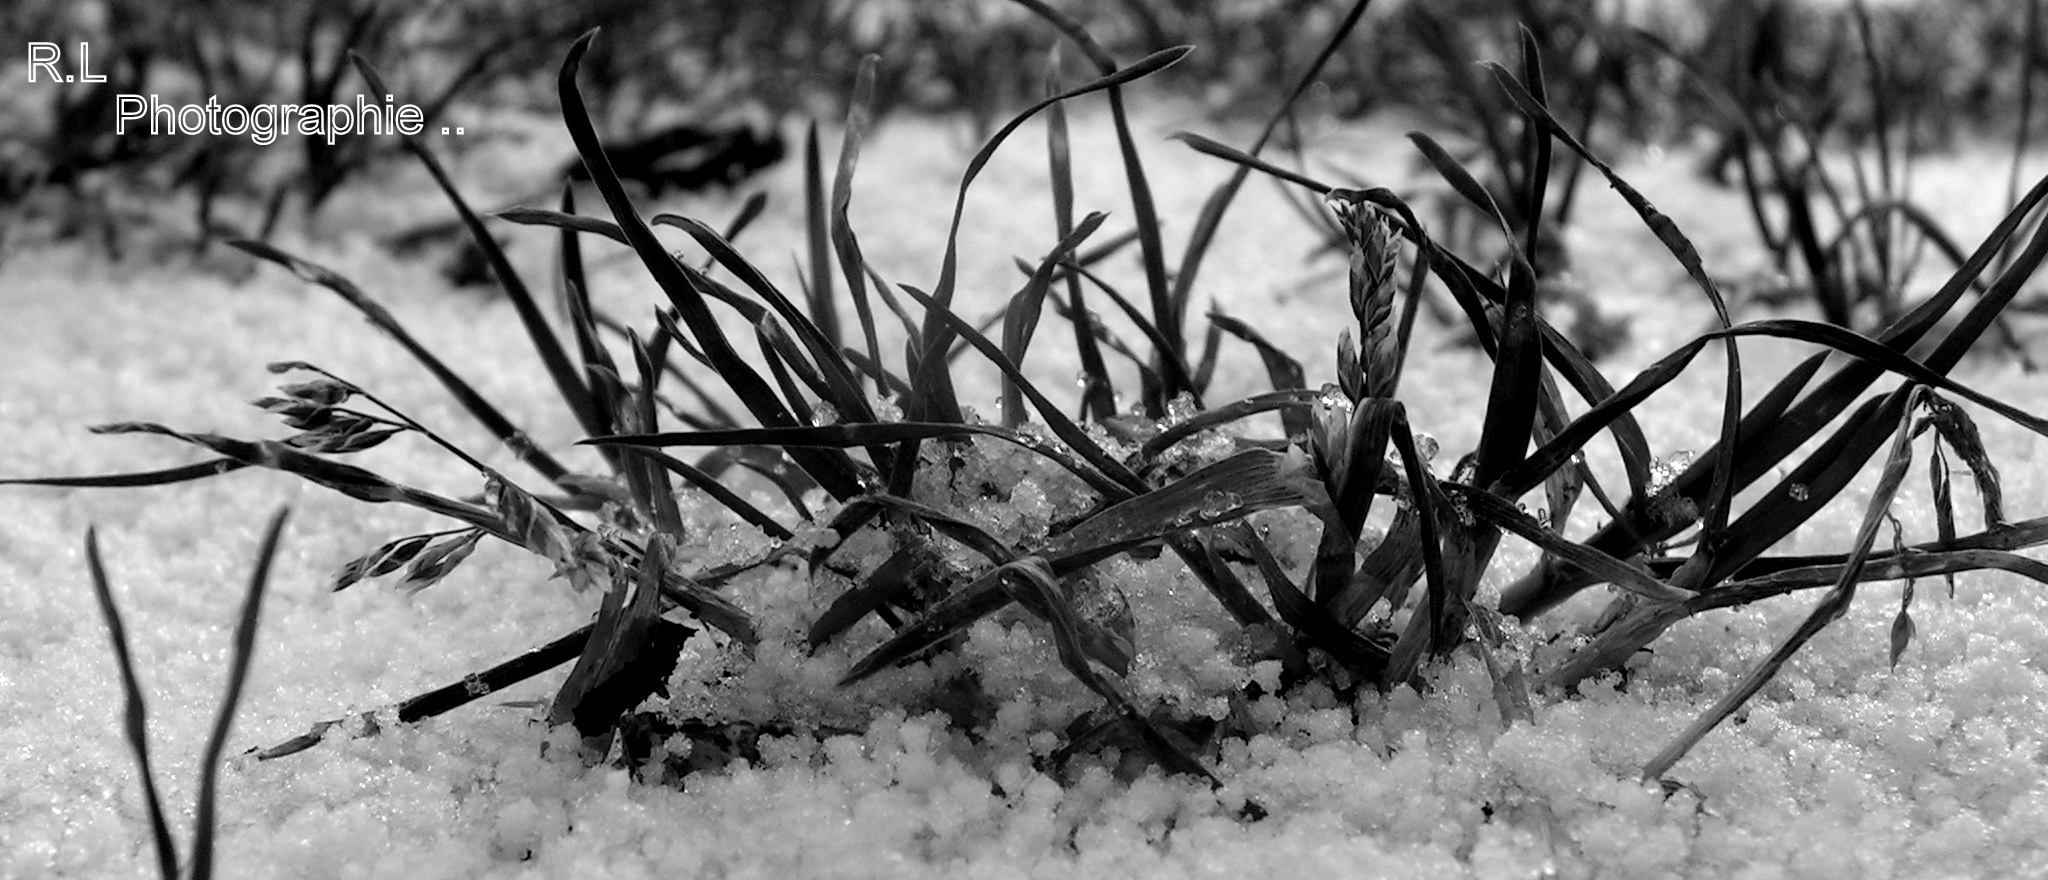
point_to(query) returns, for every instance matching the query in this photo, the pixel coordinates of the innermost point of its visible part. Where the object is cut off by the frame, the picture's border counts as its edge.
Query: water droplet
(1426, 446)
(1799, 492)
(1664, 471)
(887, 409)
(1334, 399)
(1180, 408)
(823, 414)
(1217, 503)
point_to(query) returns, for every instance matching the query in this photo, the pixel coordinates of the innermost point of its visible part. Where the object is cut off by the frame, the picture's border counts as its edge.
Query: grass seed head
(1372, 292)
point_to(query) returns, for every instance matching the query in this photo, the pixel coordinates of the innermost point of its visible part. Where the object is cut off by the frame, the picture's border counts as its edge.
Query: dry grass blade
(624, 625)
(1923, 560)
(437, 562)
(538, 527)
(355, 482)
(381, 561)
(1466, 548)
(164, 477)
(482, 410)
(1959, 431)
(443, 699)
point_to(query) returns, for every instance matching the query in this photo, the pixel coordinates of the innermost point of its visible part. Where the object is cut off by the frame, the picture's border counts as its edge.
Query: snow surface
(1841, 768)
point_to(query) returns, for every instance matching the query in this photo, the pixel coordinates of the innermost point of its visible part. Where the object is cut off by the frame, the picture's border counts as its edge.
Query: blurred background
(700, 93)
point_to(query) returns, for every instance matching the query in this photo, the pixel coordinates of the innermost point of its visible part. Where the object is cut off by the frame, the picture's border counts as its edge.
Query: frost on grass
(1843, 767)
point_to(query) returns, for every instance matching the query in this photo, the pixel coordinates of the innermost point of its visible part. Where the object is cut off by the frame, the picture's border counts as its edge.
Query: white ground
(1843, 768)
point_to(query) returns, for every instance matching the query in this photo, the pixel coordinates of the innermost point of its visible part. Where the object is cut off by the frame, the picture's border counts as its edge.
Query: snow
(1843, 767)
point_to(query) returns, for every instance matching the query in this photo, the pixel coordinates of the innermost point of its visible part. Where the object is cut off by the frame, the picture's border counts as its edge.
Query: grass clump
(894, 492)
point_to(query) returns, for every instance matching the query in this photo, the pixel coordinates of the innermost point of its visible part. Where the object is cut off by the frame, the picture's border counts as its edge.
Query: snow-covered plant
(877, 459)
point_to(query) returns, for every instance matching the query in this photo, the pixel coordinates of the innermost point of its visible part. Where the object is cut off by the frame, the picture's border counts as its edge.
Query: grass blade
(1720, 494)
(1211, 218)
(685, 287)
(846, 395)
(705, 483)
(482, 410)
(1228, 490)
(134, 715)
(1020, 320)
(844, 243)
(1166, 315)
(1061, 426)
(1098, 393)
(1831, 607)
(1517, 375)
(817, 232)
(567, 382)
(874, 433)
(1494, 510)
(167, 476)
(441, 700)
(238, 675)
(621, 633)
(937, 337)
